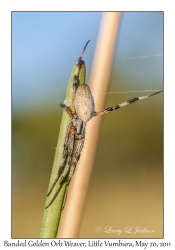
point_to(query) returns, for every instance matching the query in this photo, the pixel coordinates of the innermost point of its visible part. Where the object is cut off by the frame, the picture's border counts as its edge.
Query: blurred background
(126, 187)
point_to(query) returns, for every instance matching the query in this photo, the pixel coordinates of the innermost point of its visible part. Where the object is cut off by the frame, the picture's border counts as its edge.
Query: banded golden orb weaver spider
(83, 109)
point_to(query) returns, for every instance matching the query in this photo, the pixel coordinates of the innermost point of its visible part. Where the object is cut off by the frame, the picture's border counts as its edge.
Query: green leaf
(52, 215)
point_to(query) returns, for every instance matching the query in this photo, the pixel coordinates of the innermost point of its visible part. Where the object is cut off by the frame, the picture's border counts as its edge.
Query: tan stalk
(99, 78)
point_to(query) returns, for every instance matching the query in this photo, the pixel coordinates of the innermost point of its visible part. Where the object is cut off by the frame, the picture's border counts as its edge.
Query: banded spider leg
(75, 131)
(110, 109)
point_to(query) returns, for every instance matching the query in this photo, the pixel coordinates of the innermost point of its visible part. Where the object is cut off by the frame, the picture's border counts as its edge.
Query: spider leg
(76, 159)
(65, 198)
(108, 110)
(67, 109)
(76, 76)
(80, 58)
(67, 167)
(78, 64)
(73, 166)
(64, 155)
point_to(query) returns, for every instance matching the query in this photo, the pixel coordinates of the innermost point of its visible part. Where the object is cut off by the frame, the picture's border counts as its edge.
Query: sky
(45, 46)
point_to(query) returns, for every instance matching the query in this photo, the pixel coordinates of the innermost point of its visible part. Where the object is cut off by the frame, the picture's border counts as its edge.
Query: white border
(5, 95)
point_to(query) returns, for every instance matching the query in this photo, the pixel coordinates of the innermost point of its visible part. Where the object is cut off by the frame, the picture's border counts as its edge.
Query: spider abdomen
(84, 103)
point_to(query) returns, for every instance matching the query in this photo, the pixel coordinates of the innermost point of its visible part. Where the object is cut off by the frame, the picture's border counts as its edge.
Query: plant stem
(52, 215)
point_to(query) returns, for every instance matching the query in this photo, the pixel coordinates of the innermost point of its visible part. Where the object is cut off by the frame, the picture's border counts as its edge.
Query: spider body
(83, 109)
(84, 103)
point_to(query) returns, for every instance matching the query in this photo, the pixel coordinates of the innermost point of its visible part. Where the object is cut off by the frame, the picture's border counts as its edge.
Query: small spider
(83, 109)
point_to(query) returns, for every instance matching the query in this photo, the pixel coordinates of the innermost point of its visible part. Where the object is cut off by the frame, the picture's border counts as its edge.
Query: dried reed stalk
(99, 78)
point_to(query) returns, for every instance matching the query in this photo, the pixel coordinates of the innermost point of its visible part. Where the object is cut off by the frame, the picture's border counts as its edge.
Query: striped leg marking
(108, 110)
